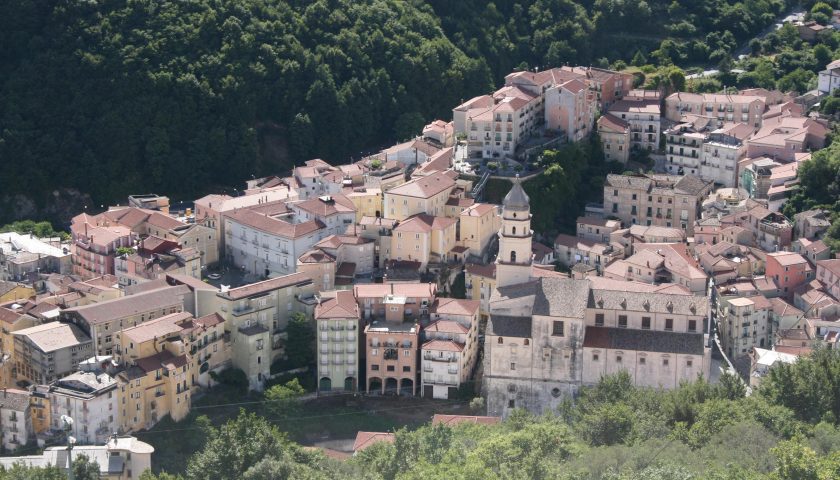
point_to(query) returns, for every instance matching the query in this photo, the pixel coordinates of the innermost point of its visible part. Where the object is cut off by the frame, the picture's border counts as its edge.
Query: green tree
(300, 344)
(282, 401)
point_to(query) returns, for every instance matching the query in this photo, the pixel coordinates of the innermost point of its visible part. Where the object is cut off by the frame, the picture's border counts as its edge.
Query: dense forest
(184, 98)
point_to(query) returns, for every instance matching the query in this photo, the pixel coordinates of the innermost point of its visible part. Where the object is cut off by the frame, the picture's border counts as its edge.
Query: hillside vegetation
(117, 97)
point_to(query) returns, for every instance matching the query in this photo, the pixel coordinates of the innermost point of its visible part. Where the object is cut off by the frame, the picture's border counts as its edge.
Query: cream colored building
(747, 109)
(661, 200)
(256, 317)
(477, 224)
(422, 195)
(367, 202)
(49, 351)
(450, 350)
(337, 319)
(744, 323)
(424, 239)
(659, 263)
(644, 121)
(615, 138)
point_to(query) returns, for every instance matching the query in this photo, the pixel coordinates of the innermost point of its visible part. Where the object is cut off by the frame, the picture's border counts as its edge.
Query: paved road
(796, 13)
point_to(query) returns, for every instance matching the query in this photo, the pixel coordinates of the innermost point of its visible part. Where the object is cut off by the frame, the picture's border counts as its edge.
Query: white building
(829, 79)
(15, 419)
(451, 347)
(90, 400)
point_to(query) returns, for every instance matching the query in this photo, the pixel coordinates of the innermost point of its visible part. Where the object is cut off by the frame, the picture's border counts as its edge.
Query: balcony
(435, 358)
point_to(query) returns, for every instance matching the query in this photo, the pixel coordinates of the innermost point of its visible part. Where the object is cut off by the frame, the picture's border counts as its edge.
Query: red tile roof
(456, 419)
(366, 439)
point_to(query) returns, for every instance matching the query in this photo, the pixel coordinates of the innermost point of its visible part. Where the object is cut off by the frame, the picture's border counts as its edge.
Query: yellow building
(424, 239)
(481, 282)
(10, 291)
(368, 202)
(164, 359)
(478, 224)
(423, 195)
(39, 408)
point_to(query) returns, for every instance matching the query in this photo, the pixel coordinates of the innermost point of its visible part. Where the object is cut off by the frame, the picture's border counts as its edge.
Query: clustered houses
(562, 99)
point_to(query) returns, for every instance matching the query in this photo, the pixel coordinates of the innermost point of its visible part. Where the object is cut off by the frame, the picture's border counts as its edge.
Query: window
(645, 323)
(669, 324)
(618, 358)
(374, 367)
(513, 366)
(692, 325)
(558, 328)
(664, 362)
(511, 403)
(594, 357)
(406, 368)
(599, 319)
(622, 321)
(642, 360)
(501, 340)
(526, 342)
(390, 368)
(689, 363)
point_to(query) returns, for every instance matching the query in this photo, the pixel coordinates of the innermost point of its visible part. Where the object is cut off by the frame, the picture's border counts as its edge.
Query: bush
(231, 377)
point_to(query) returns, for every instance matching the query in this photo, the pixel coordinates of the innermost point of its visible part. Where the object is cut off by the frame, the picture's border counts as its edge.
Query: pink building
(788, 270)
(95, 245)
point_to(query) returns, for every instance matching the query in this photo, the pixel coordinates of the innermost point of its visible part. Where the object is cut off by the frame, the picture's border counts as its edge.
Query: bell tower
(513, 264)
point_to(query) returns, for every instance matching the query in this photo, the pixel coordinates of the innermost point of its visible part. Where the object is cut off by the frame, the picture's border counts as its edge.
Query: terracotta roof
(156, 328)
(443, 345)
(487, 271)
(479, 210)
(316, 256)
(787, 258)
(366, 439)
(327, 205)
(342, 305)
(446, 326)
(275, 226)
(265, 286)
(210, 320)
(612, 122)
(425, 187)
(423, 223)
(378, 290)
(455, 306)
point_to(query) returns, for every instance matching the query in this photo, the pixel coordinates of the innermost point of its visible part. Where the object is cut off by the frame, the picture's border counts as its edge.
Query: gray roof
(516, 198)
(629, 181)
(692, 185)
(561, 297)
(507, 326)
(122, 307)
(654, 302)
(644, 340)
(13, 399)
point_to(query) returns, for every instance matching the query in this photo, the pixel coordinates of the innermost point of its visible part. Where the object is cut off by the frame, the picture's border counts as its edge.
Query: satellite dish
(67, 421)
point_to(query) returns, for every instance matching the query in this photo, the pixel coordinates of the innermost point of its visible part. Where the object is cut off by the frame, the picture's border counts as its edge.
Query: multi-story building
(570, 109)
(95, 245)
(451, 347)
(571, 251)
(367, 202)
(662, 200)
(615, 137)
(722, 149)
(155, 257)
(256, 317)
(480, 281)
(643, 116)
(658, 264)
(391, 346)
(49, 351)
(494, 124)
(268, 239)
(15, 419)
(350, 249)
(744, 323)
(337, 320)
(828, 273)
(335, 212)
(811, 224)
(788, 270)
(101, 321)
(596, 229)
(723, 108)
(477, 224)
(426, 195)
(423, 238)
(91, 400)
(782, 137)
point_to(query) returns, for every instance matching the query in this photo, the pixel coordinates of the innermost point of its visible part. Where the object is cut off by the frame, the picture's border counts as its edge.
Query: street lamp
(67, 421)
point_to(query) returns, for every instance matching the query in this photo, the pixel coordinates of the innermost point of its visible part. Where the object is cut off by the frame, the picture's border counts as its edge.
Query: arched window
(501, 340)
(514, 214)
(514, 230)
(512, 257)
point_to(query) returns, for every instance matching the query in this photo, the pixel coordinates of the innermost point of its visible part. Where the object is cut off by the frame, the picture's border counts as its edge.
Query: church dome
(517, 199)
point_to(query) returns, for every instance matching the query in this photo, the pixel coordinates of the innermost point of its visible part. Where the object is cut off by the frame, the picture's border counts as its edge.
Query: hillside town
(415, 286)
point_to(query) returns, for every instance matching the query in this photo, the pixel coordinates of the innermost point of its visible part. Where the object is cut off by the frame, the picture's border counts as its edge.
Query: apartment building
(391, 347)
(154, 258)
(15, 419)
(608, 86)
(94, 245)
(426, 195)
(782, 137)
(256, 316)
(368, 202)
(744, 323)
(570, 109)
(480, 281)
(723, 108)
(712, 154)
(49, 351)
(661, 200)
(354, 250)
(441, 132)
(88, 398)
(660, 263)
(450, 347)
(210, 210)
(476, 227)
(643, 117)
(268, 239)
(788, 270)
(615, 137)
(425, 239)
(596, 229)
(548, 337)
(494, 124)
(102, 321)
(770, 231)
(335, 212)
(337, 319)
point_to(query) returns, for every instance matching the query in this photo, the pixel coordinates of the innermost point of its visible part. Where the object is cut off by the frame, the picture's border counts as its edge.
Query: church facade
(548, 336)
